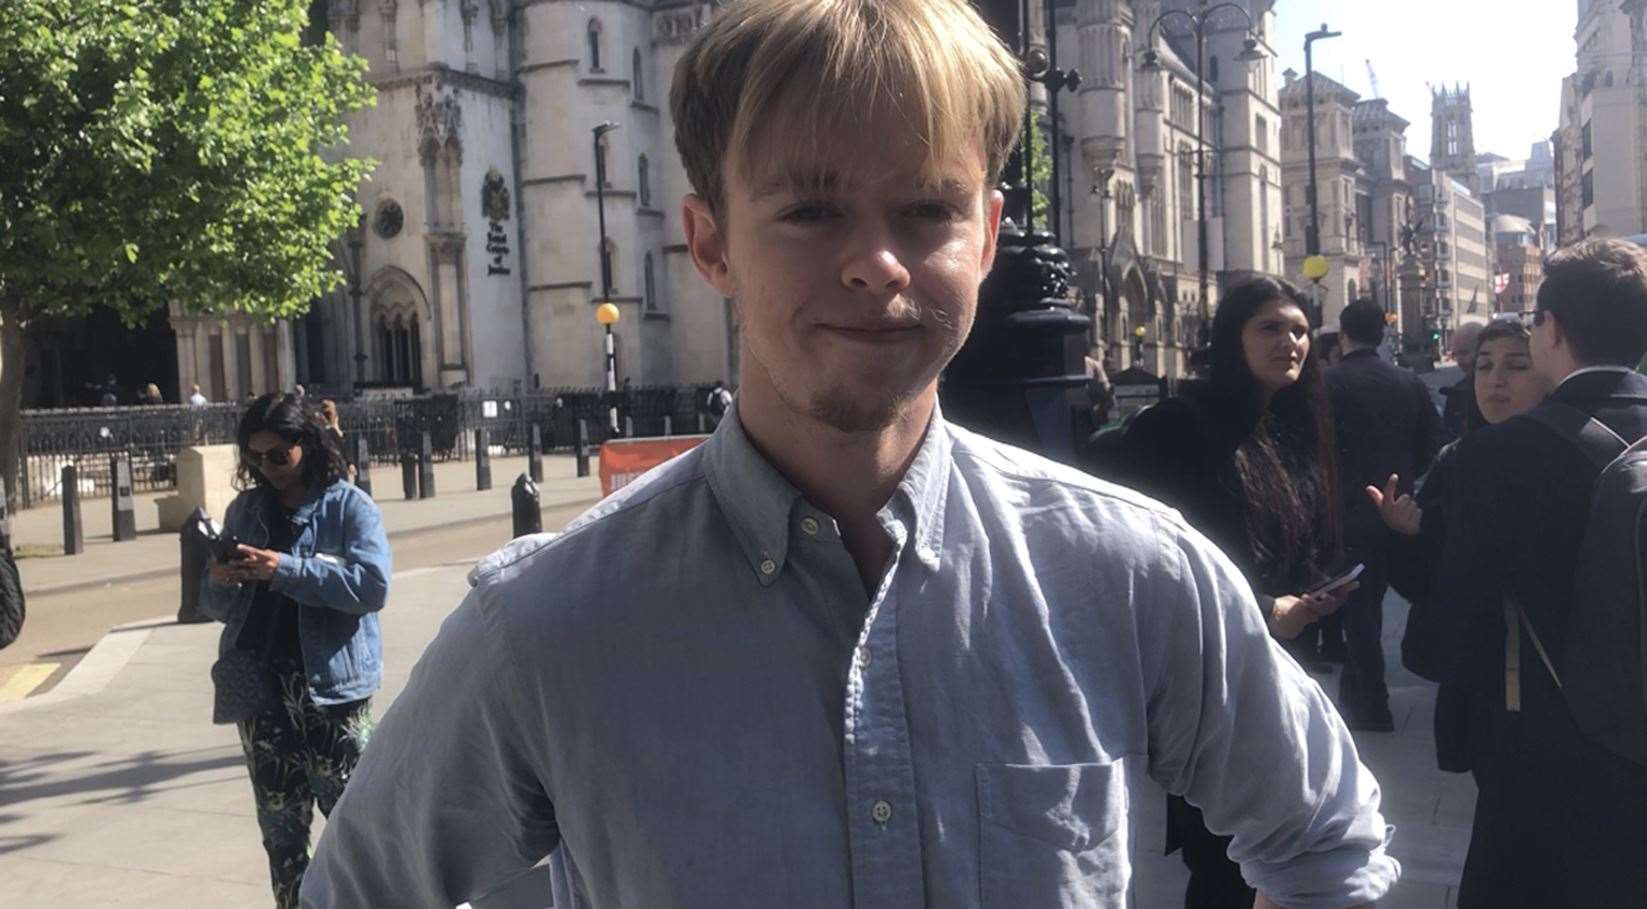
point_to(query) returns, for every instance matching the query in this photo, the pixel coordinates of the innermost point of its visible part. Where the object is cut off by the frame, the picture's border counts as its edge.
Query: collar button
(768, 567)
(809, 525)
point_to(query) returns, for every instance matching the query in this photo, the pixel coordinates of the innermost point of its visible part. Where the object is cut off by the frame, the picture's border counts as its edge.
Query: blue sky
(1513, 53)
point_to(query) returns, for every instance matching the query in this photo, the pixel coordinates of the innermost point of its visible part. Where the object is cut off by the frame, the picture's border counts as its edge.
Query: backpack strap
(1515, 620)
(1595, 438)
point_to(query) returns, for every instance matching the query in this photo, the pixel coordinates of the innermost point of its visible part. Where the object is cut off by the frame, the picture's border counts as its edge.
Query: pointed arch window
(636, 77)
(594, 31)
(644, 186)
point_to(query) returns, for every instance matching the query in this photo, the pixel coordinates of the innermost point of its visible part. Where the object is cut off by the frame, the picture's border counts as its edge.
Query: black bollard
(528, 511)
(426, 467)
(125, 507)
(195, 553)
(5, 520)
(534, 454)
(74, 530)
(408, 474)
(483, 458)
(581, 447)
(363, 465)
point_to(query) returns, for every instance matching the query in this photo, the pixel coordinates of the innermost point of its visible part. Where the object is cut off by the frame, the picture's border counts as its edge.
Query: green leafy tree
(160, 153)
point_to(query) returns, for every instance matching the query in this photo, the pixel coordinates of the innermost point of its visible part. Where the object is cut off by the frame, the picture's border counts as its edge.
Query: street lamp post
(1100, 313)
(607, 315)
(1249, 53)
(600, 210)
(1312, 236)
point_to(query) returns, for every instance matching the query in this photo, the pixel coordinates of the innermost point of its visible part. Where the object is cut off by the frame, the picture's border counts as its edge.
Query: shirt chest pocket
(1052, 835)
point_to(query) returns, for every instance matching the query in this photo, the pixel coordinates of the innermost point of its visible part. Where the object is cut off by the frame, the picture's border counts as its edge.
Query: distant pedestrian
(1100, 392)
(1247, 457)
(111, 392)
(1460, 412)
(151, 396)
(334, 432)
(196, 399)
(298, 392)
(1327, 343)
(1386, 424)
(1558, 818)
(1506, 384)
(302, 597)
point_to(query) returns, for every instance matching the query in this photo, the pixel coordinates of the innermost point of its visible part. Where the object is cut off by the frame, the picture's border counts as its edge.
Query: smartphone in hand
(226, 547)
(1340, 581)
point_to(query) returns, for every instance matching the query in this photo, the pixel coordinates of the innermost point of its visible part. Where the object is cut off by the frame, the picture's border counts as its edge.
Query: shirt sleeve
(1241, 732)
(357, 582)
(448, 802)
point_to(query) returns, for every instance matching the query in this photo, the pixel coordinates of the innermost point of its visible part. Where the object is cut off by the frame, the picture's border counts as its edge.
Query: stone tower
(1452, 136)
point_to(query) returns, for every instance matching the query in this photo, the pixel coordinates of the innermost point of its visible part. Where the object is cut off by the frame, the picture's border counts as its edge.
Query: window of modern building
(594, 45)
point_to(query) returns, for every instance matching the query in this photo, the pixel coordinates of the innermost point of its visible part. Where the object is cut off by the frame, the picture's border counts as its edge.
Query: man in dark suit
(1558, 820)
(1387, 424)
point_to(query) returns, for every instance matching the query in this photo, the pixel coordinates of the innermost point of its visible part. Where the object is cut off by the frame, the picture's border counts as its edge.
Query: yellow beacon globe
(607, 314)
(1316, 267)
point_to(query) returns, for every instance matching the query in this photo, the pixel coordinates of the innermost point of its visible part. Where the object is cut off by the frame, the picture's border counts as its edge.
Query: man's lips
(875, 334)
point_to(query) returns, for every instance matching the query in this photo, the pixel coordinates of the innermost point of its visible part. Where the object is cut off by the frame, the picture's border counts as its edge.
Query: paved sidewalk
(156, 553)
(116, 789)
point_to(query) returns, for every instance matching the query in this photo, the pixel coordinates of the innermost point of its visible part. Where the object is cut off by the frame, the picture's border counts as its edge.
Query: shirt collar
(759, 503)
(1589, 369)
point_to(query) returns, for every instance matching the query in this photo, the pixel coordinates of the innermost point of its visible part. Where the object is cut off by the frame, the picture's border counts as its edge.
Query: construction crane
(1373, 78)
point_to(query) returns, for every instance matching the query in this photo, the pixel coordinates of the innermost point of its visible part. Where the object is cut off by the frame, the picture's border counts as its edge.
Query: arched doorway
(397, 325)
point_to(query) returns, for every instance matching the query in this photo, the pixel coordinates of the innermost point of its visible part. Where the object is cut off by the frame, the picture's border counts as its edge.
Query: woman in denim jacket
(313, 572)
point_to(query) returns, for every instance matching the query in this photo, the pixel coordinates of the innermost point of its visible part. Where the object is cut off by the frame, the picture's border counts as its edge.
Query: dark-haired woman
(312, 572)
(1247, 456)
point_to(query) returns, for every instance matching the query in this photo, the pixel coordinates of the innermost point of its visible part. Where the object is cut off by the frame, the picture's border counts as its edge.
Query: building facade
(1453, 250)
(1130, 141)
(478, 263)
(1381, 148)
(1600, 187)
(1341, 188)
(1452, 135)
(1519, 254)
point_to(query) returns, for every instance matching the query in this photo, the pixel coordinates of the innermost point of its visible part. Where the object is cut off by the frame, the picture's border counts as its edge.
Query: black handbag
(243, 684)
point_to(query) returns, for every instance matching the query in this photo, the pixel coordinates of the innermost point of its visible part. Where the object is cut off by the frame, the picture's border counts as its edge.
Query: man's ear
(707, 244)
(994, 203)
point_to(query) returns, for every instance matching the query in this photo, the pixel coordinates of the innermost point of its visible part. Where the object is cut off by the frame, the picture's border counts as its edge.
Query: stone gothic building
(478, 261)
(1131, 204)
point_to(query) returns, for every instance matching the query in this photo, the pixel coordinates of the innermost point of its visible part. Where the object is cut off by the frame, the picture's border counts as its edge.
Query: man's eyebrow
(816, 181)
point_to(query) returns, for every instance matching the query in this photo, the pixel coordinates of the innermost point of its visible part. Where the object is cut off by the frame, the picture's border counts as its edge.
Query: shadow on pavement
(126, 780)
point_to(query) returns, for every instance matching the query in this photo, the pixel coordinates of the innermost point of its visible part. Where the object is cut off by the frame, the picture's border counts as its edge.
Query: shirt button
(810, 526)
(768, 566)
(881, 811)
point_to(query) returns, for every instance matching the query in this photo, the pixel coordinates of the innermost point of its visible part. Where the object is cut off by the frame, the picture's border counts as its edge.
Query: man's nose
(874, 267)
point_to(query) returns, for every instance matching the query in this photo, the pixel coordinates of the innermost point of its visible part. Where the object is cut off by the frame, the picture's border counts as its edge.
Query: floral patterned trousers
(299, 754)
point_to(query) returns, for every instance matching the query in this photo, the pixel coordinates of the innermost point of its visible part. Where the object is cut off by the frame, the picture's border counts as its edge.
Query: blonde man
(846, 653)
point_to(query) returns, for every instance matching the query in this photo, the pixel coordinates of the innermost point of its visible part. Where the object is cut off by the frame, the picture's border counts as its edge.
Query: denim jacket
(338, 566)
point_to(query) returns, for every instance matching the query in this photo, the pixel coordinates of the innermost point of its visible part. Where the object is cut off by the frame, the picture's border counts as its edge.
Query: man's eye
(805, 213)
(932, 211)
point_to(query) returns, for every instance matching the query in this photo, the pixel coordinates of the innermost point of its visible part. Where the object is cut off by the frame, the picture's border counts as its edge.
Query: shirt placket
(883, 823)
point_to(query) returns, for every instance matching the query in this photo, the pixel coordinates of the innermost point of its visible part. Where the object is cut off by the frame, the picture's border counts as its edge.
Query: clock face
(388, 220)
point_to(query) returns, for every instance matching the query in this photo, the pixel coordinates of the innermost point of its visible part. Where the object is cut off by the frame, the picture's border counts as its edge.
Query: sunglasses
(278, 456)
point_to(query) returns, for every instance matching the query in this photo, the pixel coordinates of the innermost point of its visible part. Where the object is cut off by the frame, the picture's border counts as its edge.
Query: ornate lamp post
(1250, 53)
(1021, 374)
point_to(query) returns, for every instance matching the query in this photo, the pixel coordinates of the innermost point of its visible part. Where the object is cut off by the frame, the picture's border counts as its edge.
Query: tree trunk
(12, 365)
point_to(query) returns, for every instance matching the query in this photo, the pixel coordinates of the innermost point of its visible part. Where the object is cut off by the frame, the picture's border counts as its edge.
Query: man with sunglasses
(1557, 818)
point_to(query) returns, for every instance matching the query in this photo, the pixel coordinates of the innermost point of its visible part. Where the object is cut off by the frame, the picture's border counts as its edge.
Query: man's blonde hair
(935, 63)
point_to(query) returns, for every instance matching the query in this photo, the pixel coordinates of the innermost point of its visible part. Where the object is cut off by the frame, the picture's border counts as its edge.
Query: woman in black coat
(1247, 456)
(1505, 385)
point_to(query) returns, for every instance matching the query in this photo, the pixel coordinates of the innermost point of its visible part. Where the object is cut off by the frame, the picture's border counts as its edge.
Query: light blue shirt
(692, 695)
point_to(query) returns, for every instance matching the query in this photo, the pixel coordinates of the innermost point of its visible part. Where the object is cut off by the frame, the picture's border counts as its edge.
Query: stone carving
(494, 197)
(439, 121)
(677, 26)
(469, 9)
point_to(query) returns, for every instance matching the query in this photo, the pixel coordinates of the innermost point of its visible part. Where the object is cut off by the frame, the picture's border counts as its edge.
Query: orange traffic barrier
(624, 460)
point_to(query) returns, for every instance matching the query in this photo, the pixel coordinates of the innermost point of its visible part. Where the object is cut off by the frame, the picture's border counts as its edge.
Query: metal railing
(89, 437)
